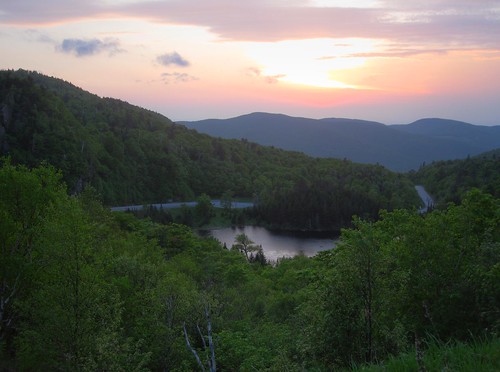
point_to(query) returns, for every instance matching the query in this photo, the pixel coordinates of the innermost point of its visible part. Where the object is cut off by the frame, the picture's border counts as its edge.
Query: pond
(277, 244)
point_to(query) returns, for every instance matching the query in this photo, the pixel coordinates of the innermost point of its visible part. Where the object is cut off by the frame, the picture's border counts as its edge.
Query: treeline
(134, 156)
(86, 289)
(448, 181)
(322, 197)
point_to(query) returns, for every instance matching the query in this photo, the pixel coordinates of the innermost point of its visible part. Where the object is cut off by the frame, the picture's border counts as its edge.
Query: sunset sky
(391, 61)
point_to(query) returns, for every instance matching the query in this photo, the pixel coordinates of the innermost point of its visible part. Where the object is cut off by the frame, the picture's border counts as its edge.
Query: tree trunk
(188, 344)
(419, 354)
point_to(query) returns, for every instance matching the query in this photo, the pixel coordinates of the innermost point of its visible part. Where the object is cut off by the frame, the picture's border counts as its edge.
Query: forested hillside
(86, 289)
(397, 147)
(132, 155)
(448, 181)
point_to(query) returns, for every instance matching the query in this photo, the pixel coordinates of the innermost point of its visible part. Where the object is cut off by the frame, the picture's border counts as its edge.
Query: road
(426, 199)
(216, 203)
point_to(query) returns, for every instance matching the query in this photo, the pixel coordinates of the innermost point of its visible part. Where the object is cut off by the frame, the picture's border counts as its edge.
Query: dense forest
(131, 155)
(449, 180)
(83, 288)
(396, 147)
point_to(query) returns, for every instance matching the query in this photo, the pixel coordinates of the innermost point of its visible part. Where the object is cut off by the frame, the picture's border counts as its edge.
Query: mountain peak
(438, 122)
(398, 147)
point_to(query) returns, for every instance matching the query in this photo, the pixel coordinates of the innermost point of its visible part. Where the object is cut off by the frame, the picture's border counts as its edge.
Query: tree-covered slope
(132, 155)
(448, 181)
(465, 133)
(398, 147)
(86, 289)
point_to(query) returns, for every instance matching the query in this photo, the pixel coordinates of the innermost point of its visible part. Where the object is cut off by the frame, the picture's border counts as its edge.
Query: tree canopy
(134, 156)
(87, 289)
(449, 181)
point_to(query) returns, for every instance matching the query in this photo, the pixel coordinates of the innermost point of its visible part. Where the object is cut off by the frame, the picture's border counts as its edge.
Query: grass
(451, 356)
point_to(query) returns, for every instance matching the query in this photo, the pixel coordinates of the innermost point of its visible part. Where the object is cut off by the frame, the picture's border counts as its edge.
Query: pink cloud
(449, 23)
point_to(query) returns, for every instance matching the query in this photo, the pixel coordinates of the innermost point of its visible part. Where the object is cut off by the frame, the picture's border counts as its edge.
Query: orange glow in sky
(383, 60)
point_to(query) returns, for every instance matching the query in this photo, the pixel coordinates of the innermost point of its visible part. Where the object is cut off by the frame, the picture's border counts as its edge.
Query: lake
(277, 244)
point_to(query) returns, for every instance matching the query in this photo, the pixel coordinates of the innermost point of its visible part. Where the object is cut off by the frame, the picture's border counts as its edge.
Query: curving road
(426, 199)
(422, 193)
(216, 203)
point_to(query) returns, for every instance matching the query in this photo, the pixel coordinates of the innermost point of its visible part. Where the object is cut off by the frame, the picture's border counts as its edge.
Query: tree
(345, 303)
(245, 245)
(208, 349)
(363, 262)
(72, 319)
(204, 209)
(26, 196)
(226, 201)
(259, 257)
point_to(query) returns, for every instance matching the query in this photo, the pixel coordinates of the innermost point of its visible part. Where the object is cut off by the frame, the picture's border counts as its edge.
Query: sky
(391, 61)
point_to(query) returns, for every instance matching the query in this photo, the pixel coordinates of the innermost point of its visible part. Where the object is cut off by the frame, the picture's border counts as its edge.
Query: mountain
(468, 134)
(398, 147)
(131, 155)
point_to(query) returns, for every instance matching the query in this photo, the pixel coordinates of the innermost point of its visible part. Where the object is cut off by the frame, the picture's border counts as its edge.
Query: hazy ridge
(397, 147)
(133, 156)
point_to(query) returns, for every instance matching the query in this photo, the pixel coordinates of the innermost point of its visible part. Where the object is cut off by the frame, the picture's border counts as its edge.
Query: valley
(366, 282)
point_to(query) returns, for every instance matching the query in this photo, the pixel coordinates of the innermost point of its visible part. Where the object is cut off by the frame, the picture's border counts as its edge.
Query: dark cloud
(82, 48)
(172, 59)
(177, 77)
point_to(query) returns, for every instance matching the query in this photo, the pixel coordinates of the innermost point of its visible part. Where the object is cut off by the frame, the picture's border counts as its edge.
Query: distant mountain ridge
(398, 147)
(456, 130)
(130, 155)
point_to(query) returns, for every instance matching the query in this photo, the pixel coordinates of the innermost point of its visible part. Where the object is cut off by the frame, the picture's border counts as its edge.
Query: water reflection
(277, 244)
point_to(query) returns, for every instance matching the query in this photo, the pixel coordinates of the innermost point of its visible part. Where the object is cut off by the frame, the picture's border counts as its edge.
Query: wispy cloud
(37, 12)
(257, 73)
(36, 36)
(177, 77)
(443, 23)
(172, 59)
(253, 72)
(83, 47)
(390, 53)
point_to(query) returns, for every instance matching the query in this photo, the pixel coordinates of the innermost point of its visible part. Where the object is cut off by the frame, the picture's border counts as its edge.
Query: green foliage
(397, 147)
(95, 290)
(26, 198)
(450, 356)
(72, 319)
(404, 277)
(448, 181)
(204, 209)
(85, 289)
(325, 194)
(130, 155)
(245, 245)
(78, 292)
